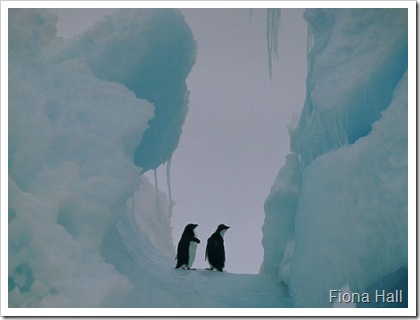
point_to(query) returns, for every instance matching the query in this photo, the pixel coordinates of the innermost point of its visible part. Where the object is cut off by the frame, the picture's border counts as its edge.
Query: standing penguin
(187, 247)
(215, 250)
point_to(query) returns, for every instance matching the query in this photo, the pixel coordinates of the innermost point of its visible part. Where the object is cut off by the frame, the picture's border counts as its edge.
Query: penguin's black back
(182, 253)
(215, 251)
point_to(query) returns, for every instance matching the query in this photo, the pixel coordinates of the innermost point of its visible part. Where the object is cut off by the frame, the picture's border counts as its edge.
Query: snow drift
(78, 117)
(337, 212)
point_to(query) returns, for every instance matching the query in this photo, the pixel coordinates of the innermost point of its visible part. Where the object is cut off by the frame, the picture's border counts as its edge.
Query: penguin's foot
(191, 269)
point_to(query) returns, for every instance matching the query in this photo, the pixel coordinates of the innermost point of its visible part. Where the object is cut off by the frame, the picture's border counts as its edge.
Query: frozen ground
(213, 289)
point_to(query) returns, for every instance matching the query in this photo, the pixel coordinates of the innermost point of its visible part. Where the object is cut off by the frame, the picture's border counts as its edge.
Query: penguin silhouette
(187, 247)
(215, 250)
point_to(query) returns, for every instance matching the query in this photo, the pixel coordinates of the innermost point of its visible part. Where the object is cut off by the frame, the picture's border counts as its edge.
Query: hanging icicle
(309, 41)
(156, 188)
(168, 181)
(272, 33)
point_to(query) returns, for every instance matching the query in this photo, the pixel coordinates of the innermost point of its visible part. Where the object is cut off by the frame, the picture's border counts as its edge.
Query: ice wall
(337, 212)
(154, 66)
(77, 115)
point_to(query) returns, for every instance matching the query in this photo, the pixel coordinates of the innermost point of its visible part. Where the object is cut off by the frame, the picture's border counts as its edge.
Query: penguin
(187, 247)
(215, 249)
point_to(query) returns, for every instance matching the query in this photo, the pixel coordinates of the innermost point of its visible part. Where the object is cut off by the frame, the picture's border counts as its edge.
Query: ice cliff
(83, 117)
(337, 212)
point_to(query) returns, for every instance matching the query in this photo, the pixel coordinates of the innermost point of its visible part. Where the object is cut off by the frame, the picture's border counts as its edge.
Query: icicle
(168, 181)
(308, 48)
(272, 33)
(133, 205)
(156, 188)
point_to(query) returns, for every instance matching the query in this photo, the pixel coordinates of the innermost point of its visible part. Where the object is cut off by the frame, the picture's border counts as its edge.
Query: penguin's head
(189, 230)
(191, 226)
(221, 229)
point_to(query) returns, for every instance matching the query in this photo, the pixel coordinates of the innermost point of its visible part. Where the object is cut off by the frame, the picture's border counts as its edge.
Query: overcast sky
(235, 136)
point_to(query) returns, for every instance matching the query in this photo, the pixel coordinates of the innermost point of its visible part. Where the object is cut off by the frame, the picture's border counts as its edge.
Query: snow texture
(337, 212)
(152, 61)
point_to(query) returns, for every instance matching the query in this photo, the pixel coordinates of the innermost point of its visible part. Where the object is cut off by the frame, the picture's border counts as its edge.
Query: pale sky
(235, 136)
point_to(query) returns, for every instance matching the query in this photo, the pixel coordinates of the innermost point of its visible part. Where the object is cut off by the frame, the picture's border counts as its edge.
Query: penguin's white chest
(192, 250)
